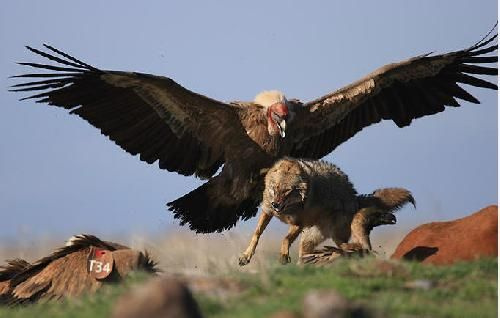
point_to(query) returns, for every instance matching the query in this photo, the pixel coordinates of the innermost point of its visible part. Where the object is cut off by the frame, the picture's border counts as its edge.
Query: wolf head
(286, 187)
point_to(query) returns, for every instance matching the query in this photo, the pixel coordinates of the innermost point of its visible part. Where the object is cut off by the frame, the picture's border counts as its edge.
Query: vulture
(83, 265)
(233, 144)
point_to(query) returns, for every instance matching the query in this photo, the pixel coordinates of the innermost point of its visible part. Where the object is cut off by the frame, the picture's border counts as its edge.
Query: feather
(484, 51)
(70, 57)
(62, 75)
(474, 81)
(474, 69)
(484, 41)
(39, 87)
(479, 59)
(50, 67)
(462, 94)
(49, 81)
(53, 58)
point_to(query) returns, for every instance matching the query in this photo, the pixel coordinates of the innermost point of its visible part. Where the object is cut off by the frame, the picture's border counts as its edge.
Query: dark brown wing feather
(147, 115)
(13, 267)
(400, 92)
(64, 276)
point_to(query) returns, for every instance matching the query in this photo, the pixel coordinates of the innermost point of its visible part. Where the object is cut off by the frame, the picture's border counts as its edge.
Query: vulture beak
(282, 127)
(278, 115)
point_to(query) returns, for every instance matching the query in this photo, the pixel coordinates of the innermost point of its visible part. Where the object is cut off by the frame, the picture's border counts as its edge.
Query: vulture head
(277, 110)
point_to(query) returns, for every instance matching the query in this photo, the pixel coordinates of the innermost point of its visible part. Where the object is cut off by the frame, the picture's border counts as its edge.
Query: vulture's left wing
(401, 92)
(152, 116)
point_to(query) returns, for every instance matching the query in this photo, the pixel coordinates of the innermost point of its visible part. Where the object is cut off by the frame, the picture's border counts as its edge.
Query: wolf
(316, 198)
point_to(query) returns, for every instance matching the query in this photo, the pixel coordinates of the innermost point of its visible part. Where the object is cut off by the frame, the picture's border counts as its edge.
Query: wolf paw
(243, 260)
(351, 247)
(285, 259)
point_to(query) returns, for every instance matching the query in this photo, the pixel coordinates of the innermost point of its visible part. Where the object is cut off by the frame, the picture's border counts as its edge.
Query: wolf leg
(293, 232)
(310, 238)
(264, 219)
(361, 227)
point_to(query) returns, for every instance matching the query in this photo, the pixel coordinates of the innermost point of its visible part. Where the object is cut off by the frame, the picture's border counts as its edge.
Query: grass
(97, 305)
(461, 290)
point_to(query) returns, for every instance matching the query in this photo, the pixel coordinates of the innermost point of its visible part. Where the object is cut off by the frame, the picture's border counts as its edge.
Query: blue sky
(59, 176)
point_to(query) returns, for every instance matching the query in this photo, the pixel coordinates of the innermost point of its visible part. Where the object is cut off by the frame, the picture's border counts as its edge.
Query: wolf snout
(276, 206)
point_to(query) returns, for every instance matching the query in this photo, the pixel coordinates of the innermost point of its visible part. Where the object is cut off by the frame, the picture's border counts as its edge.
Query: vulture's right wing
(148, 115)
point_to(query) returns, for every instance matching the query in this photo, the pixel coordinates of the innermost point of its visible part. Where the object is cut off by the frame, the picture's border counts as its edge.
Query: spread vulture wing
(148, 115)
(401, 92)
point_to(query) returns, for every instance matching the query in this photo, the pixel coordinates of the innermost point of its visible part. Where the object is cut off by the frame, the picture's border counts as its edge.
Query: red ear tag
(100, 263)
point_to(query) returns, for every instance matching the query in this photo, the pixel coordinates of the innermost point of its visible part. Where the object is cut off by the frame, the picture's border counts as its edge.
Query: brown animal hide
(463, 239)
(83, 265)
